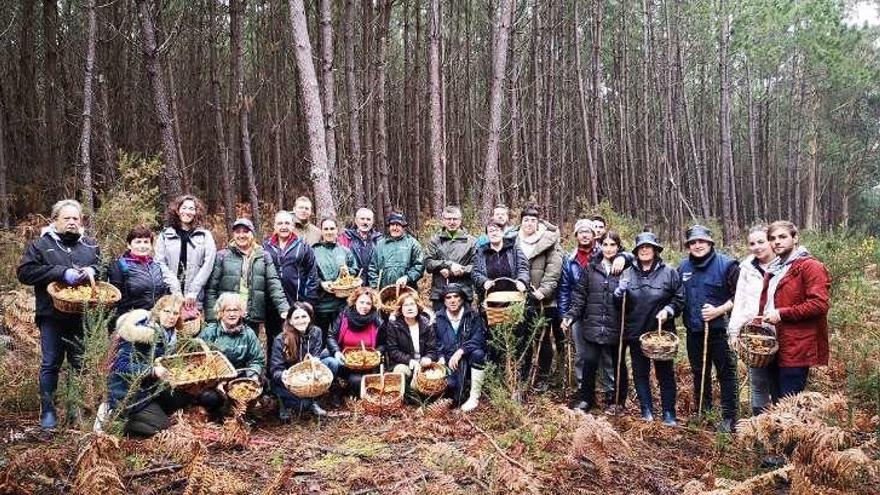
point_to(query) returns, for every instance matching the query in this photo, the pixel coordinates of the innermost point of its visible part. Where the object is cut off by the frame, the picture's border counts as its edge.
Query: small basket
(345, 284)
(757, 345)
(389, 295)
(101, 293)
(307, 379)
(431, 379)
(382, 393)
(244, 390)
(361, 359)
(192, 327)
(660, 345)
(501, 301)
(213, 367)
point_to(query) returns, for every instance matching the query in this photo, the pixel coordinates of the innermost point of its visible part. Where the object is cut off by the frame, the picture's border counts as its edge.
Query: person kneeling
(461, 339)
(298, 337)
(411, 340)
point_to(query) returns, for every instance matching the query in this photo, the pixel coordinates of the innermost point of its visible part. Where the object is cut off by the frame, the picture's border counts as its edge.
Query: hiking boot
(48, 418)
(647, 414)
(727, 425)
(283, 413)
(669, 418)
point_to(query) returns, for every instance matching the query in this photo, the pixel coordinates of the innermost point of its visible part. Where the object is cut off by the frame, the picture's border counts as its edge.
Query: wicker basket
(660, 345)
(757, 345)
(382, 393)
(501, 301)
(214, 366)
(192, 327)
(431, 379)
(362, 358)
(307, 379)
(244, 390)
(102, 294)
(345, 285)
(389, 295)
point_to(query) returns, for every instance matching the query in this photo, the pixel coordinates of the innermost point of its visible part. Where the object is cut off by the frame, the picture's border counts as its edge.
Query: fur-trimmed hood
(135, 327)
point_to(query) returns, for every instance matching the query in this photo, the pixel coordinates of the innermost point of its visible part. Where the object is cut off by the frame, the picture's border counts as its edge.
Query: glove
(72, 276)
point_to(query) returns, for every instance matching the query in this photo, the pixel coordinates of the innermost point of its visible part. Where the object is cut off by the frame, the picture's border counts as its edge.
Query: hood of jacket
(543, 239)
(135, 327)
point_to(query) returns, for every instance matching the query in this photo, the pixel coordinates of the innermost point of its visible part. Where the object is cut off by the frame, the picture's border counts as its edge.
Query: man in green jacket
(397, 259)
(450, 258)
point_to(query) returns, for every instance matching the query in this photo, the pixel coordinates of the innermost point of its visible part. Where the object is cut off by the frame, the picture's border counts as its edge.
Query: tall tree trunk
(227, 171)
(728, 204)
(311, 102)
(171, 179)
(4, 197)
(585, 119)
(242, 102)
(52, 109)
(753, 149)
(438, 158)
(107, 147)
(811, 205)
(381, 130)
(491, 186)
(85, 141)
(596, 67)
(354, 110)
(328, 77)
(185, 174)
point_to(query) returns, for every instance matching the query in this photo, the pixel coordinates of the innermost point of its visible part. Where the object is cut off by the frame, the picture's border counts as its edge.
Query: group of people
(600, 296)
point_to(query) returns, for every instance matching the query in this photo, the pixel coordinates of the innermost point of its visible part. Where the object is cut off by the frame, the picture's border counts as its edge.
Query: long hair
(374, 297)
(402, 299)
(290, 335)
(172, 216)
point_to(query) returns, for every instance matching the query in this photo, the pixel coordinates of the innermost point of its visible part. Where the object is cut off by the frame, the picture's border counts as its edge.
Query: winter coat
(571, 273)
(471, 335)
(200, 255)
(374, 327)
(749, 285)
(711, 280)
(142, 283)
(593, 303)
(329, 257)
(309, 343)
(443, 250)
(307, 231)
(296, 268)
(802, 300)
(362, 248)
(545, 262)
(45, 260)
(515, 263)
(649, 292)
(399, 345)
(509, 233)
(135, 349)
(262, 283)
(241, 347)
(395, 257)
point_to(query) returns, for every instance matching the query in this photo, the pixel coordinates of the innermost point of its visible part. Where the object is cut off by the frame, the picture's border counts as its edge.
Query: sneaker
(669, 418)
(727, 425)
(647, 414)
(582, 405)
(317, 410)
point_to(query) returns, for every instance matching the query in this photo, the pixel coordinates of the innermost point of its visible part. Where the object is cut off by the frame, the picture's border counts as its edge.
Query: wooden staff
(703, 370)
(619, 354)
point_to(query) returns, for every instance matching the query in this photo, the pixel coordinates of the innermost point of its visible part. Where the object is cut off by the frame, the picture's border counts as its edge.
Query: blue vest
(704, 283)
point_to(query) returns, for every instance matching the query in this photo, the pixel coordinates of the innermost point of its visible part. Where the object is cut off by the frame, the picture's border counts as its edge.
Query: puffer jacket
(240, 346)
(443, 250)
(399, 344)
(395, 257)
(309, 343)
(329, 257)
(545, 262)
(471, 335)
(515, 263)
(748, 296)
(593, 303)
(648, 292)
(135, 349)
(296, 268)
(571, 274)
(142, 282)
(200, 255)
(362, 248)
(711, 280)
(45, 260)
(262, 283)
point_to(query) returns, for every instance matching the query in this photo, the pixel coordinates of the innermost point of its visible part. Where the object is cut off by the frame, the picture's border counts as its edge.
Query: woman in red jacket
(795, 300)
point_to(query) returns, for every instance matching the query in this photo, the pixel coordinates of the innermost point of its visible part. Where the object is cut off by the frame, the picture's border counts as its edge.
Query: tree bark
(171, 179)
(52, 109)
(592, 176)
(85, 141)
(328, 78)
(311, 103)
(438, 158)
(381, 130)
(242, 102)
(107, 147)
(728, 204)
(4, 197)
(491, 186)
(227, 171)
(354, 120)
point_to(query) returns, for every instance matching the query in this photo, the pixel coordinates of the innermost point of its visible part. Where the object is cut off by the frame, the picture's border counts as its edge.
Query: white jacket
(748, 297)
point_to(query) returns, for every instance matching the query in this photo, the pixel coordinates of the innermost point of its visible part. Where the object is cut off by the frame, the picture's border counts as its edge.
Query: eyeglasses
(170, 312)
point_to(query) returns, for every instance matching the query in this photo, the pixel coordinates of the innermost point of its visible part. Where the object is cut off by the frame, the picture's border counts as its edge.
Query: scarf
(185, 236)
(583, 255)
(529, 243)
(238, 328)
(136, 258)
(358, 321)
(777, 270)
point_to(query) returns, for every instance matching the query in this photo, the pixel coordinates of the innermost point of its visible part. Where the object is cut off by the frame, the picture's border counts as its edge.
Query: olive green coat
(262, 282)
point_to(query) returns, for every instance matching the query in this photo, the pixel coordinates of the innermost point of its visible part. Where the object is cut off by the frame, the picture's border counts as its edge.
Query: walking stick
(703, 370)
(619, 355)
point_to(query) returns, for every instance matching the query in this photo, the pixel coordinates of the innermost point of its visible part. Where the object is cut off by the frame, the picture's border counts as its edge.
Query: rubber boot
(477, 378)
(48, 419)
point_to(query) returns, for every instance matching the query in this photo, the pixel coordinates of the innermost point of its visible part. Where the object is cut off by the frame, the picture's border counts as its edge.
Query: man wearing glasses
(450, 258)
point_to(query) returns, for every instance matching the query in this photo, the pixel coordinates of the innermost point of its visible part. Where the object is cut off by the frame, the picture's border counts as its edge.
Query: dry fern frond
(96, 467)
(596, 440)
(176, 442)
(235, 433)
(438, 409)
(511, 479)
(277, 484)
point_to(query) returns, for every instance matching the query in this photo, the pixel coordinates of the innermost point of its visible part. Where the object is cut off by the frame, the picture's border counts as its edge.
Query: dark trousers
(155, 416)
(723, 358)
(457, 381)
(549, 336)
(593, 363)
(792, 380)
(58, 338)
(324, 320)
(664, 370)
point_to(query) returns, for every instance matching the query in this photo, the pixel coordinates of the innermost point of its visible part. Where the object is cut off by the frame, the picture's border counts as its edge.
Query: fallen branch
(756, 482)
(168, 468)
(497, 447)
(391, 487)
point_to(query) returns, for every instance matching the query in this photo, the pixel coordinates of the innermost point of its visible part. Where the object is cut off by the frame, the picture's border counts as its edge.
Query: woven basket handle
(659, 326)
(93, 283)
(203, 345)
(311, 361)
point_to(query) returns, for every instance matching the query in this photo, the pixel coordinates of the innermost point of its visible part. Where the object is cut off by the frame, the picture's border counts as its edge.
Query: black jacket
(471, 334)
(515, 263)
(399, 345)
(593, 303)
(141, 284)
(296, 268)
(45, 260)
(333, 334)
(648, 293)
(309, 343)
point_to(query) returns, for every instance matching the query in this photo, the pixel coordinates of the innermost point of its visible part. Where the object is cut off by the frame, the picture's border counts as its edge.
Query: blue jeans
(724, 359)
(299, 403)
(664, 370)
(457, 381)
(792, 380)
(58, 338)
(764, 384)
